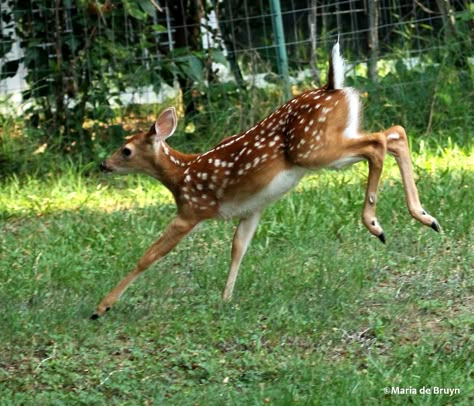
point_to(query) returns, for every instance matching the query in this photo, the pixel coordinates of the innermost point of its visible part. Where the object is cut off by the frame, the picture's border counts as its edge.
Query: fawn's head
(139, 153)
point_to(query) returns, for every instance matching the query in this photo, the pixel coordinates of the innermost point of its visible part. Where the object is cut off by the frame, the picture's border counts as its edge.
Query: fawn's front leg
(175, 232)
(242, 237)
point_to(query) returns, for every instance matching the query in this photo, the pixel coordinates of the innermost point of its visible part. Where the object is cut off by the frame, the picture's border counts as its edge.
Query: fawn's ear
(165, 125)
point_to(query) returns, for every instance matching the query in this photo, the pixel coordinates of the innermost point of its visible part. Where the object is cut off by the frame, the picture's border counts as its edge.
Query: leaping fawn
(240, 176)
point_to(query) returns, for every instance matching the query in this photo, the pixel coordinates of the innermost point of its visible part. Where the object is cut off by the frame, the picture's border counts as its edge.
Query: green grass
(322, 312)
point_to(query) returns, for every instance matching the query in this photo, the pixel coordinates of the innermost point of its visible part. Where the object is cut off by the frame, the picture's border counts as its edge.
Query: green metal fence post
(282, 59)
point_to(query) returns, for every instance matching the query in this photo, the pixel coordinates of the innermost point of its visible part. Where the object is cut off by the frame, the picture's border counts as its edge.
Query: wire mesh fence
(64, 62)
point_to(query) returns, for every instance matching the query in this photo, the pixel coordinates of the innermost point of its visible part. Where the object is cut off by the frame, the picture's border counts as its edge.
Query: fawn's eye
(126, 152)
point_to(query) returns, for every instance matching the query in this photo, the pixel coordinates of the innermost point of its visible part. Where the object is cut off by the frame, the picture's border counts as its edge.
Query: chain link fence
(66, 62)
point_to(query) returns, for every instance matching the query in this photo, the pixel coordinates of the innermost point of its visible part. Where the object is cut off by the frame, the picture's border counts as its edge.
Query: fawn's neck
(169, 166)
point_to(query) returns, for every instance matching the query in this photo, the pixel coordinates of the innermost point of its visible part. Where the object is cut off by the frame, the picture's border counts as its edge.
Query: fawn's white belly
(345, 161)
(278, 186)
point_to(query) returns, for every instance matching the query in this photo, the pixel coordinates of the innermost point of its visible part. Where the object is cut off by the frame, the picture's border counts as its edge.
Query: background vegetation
(81, 58)
(323, 313)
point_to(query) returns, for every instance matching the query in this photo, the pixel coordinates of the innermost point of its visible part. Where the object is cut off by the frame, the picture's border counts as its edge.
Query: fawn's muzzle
(103, 167)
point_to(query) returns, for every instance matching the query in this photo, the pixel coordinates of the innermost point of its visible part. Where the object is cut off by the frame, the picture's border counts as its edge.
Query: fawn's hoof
(99, 313)
(381, 237)
(435, 226)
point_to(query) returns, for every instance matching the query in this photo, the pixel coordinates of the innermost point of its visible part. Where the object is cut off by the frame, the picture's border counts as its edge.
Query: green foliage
(68, 52)
(79, 59)
(82, 56)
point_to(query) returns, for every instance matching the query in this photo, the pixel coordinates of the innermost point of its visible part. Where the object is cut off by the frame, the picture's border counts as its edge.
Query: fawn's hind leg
(243, 235)
(397, 145)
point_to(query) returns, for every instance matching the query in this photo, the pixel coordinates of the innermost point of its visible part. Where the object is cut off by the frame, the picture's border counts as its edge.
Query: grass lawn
(323, 313)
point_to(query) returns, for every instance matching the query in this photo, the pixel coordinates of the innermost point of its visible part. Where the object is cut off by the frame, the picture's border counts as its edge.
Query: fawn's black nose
(103, 167)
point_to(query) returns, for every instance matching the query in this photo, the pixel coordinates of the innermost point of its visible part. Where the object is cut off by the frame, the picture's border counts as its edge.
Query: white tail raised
(336, 69)
(240, 176)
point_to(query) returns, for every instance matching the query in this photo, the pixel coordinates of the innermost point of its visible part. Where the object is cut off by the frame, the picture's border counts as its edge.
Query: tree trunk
(58, 116)
(447, 14)
(229, 43)
(373, 40)
(187, 17)
(456, 45)
(313, 29)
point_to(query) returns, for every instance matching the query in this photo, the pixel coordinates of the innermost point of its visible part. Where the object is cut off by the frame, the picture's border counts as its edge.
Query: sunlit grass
(444, 158)
(70, 190)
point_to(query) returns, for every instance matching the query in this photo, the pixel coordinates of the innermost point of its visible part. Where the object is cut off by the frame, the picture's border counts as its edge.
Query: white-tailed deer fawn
(240, 176)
